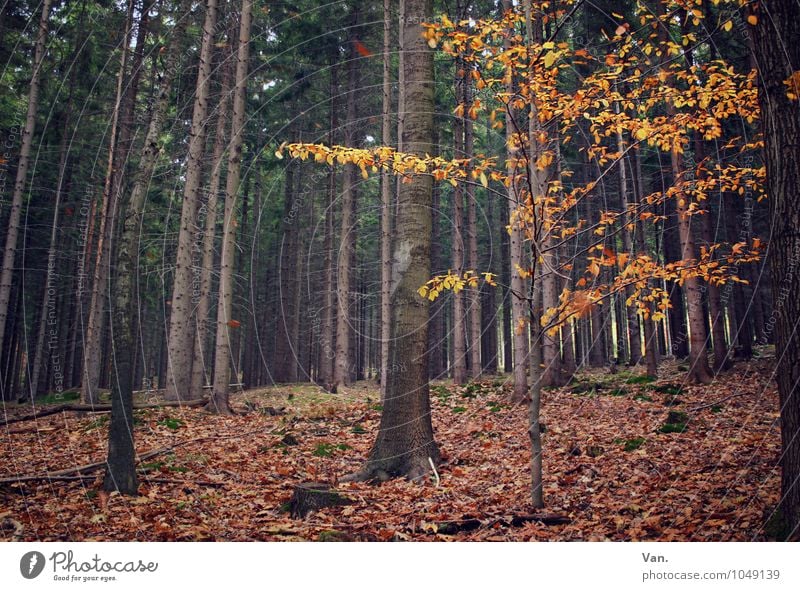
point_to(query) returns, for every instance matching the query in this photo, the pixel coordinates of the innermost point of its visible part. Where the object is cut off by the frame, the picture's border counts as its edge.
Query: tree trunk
(222, 360)
(12, 232)
(473, 293)
(386, 201)
(459, 312)
(519, 290)
(405, 445)
(96, 326)
(202, 360)
(121, 469)
(344, 292)
(777, 41)
(186, 282)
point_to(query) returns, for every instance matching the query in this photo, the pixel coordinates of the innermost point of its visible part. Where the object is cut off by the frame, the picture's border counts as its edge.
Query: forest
(472, 270)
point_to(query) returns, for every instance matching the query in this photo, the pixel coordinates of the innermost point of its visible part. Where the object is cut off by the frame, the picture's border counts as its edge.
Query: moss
(672, 428)
(640, 380)
(634, 444)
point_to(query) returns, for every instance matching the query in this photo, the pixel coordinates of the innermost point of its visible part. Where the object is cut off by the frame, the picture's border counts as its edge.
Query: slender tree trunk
(473, 293)
(540, 273)
(777, 41)
(12, 232)
(222, 361)
(48, 312)
(459, 312)
(96, 328)
(344, 292)
(202, 361)
(519, 290)
(121, 466)
(327, 345)
(405, 445)
(386, 202)
(180, 342)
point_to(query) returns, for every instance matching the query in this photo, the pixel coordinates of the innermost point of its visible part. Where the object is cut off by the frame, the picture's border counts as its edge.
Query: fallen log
(472, 523)
(85, 477)
(100, 408)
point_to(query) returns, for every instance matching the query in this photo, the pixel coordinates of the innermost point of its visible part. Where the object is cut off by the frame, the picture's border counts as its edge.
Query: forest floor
(612, 470)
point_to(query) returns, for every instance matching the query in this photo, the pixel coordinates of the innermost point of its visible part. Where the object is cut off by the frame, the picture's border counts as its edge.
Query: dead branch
(99, 408)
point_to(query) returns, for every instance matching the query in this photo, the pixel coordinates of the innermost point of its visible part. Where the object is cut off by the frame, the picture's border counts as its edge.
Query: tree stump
(313, 496)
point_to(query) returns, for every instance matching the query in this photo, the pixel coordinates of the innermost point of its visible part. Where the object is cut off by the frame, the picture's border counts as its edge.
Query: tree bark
(777, 42)
(202, 360)
(219, 402)
(405, 445)
(21, 181)
(121, 469)
(519, 290)
(180, 343)
(345, 291)
(386, 202)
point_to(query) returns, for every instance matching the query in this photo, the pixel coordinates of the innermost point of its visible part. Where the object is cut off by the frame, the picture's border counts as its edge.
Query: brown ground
(715, 481)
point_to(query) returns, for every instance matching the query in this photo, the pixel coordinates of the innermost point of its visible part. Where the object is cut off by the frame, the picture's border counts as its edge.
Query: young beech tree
(546, 109)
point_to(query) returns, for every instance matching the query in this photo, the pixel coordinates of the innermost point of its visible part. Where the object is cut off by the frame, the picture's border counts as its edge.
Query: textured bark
(650, 327)
(538, 359)
(344, 292)
(49, 317)
(519, 289)
(473, 293)
(405, 444)
(121, 466)
(285, 364)
(222, 360)
(180, 343)
(201, 362)
(112, 189)
(777, 41)
(738, 228)
(633, 337)
(21, 181)
(699, 370)
(459, 312)
(327, 344)
(386, 201)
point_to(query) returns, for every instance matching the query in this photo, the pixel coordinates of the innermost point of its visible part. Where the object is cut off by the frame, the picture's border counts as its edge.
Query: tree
(405, 444)
(21, 182)
(776, 38)
(225, 323)
(121, 462)
(180, 349)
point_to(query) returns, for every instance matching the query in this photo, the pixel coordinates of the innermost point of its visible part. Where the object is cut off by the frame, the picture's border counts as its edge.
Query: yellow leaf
(641, 134)
(484, 180)
(549, 59)
(728, 25)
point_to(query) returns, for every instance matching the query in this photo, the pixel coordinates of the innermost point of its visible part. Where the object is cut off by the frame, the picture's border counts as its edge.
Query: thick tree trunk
(187, 274)
(777, 41)
(21, 181)
(405, 445)
(222, 360)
